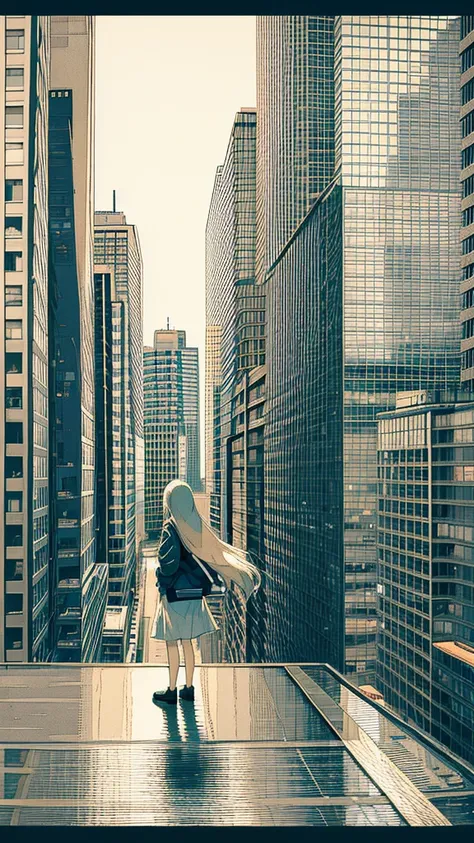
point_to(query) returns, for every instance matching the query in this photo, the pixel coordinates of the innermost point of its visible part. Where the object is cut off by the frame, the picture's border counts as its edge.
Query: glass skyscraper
(117, 247)
(80, 585)
(295, 134)
(425, 664)
(24, 426)
(235, 346)
(171, 395)
(379, 255)
(467, 206)
(235, 308)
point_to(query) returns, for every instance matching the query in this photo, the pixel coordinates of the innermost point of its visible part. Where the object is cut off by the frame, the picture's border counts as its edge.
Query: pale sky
(167, 90)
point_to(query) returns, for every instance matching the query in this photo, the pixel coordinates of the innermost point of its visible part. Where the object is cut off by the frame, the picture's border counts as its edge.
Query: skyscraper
(425, 663)
(24, 426)
(117, 247)
(361, 303)
(295, 134)
(171, 394)
(105, 374)
(80, 585)
(467, 206)
(235, 345)
(235, 307)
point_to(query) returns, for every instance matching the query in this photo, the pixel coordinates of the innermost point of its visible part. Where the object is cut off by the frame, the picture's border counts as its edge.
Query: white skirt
(182, 620)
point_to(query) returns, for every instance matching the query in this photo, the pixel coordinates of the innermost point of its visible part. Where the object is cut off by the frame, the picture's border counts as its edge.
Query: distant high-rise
(235, 346)
(117, 247)
(105, 377)
(235, 307)
(362, 302)
(80, 584)
(295, 133)
(425, 665)
(467, 207)
(171, 395)
(24, 425)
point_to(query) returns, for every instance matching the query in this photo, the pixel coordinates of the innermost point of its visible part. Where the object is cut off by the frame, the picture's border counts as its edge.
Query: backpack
(191, 581)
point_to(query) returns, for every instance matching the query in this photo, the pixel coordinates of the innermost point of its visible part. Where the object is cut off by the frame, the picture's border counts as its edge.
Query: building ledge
(272, 744)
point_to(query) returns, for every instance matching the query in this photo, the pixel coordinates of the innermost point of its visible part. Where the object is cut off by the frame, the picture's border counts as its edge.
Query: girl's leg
(173, 662)
(189, 661)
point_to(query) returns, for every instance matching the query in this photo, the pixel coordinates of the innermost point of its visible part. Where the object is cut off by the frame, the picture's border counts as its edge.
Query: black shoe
(187, 693)
(167, 696)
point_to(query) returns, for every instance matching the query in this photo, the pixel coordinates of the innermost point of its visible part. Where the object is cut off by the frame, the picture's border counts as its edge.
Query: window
(467, 156)
(13, 329)
(13, 226)
(13, 535)
(14, 433)
(15, 77)
(13, 296)
(14, 397)
(13, 363)
(14, 153)
(13, 638)
(13, 570)
(13, 261)
(14, 501)
(13, 467)
(15, 39)
(14, 190)
(14, 116)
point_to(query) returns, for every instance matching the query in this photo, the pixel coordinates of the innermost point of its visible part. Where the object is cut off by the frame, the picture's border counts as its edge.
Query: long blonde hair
(232, 563)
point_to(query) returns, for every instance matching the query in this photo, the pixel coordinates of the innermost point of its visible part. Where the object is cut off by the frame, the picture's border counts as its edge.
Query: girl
(190, 557)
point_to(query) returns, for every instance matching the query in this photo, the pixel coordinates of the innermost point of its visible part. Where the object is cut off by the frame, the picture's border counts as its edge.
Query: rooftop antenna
(167, 323)
(113, 201)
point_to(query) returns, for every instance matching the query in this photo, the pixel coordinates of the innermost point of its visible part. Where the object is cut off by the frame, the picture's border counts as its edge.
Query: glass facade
(397, 164)
(303, 477)
(235, 346)
(78, 613)
(116, 246)
(104, 297)
(171, 384)
(235, 310)
(295, 134)
(467, 202)
(397, 149)
(425, 661)
(72, 455)
(24, 428)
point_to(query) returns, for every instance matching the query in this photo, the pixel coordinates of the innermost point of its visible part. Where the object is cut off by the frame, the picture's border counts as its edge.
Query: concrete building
(171, 394)
(79, 584)
(24, 426)
(467, 206)
(425, 581)
(361, 302)
(117, 247)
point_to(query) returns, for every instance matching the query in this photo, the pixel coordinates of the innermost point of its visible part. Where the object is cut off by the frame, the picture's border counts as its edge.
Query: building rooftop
(292, 745)
(459, 651)
(115, 618)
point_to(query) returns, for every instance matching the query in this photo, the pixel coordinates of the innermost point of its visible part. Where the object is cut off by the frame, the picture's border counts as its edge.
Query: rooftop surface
(281, 745)
(452, 648)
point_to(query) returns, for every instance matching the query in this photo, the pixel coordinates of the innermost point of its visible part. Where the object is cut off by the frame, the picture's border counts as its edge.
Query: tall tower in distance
(295, 131)
(171, 399)
(117, 247)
